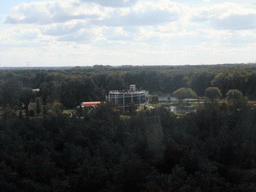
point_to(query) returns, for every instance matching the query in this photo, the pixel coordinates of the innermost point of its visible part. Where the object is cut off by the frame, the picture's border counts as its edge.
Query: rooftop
(127, 92)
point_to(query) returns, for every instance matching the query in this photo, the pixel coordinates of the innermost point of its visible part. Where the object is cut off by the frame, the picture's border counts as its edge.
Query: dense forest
(212, 149)
(71, 86)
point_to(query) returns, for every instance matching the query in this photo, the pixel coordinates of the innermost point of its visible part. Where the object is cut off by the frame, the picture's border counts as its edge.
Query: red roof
(94, 103)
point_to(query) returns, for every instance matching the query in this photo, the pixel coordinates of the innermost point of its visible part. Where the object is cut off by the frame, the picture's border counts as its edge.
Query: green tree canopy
(39, 106)
(184, 93)
(10, 92)
(234, 94)
(213, 93)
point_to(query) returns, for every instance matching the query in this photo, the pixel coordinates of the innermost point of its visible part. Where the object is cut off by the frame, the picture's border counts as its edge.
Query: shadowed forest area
(44, 149)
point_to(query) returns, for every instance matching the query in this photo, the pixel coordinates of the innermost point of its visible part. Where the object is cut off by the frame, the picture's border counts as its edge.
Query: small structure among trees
(90, 104)
(123, 98)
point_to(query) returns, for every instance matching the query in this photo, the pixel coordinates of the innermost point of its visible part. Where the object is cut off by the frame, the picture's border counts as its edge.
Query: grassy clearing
(125, 117)
(69, 111)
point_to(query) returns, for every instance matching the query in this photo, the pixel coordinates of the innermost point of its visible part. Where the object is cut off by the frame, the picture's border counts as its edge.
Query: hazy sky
(126, 32)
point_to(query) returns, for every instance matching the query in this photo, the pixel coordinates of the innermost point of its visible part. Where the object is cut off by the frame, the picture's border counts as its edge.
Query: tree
(169, 98)
(10, 92)
(235, 99)
(56, 108)
(184, 93)
(213, 93)
(39, 106)
(234, 94)
(114, 82)
(132, 109)
(25, 97)
(44, 91)
(200, 82)
(154, 98)
(222, 81)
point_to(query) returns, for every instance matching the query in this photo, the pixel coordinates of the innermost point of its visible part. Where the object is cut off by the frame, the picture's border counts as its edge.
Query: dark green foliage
(203, 150)
(200, 82)
(132, 109)
(38, 106)
(234, 94)
(213, 93)
(73, 86)
(210, 150)
(154, 98)
(10, 92)
(184, 93)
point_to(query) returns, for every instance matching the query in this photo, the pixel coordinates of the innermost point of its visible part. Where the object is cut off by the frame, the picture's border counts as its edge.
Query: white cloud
(112, 3)
(235, 22)
(11, 35)
(44, 13)
(81, 37)
(27, 34)
(149, 17)
(128, 32)
(118, 34)
(63, 29)
(229, 16)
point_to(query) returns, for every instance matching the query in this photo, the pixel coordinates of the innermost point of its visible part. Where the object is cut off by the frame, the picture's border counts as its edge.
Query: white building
(123, 98)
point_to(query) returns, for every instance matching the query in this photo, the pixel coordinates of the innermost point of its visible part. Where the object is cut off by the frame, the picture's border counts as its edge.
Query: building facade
(123, 98)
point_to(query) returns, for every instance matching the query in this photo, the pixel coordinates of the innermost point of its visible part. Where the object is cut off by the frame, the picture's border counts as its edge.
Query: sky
(126, 32)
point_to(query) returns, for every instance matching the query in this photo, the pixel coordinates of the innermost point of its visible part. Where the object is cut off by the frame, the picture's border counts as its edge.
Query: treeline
(75, 85)
(210, 150)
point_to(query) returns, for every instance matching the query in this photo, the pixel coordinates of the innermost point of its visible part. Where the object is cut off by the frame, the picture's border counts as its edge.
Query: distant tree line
(75, 85)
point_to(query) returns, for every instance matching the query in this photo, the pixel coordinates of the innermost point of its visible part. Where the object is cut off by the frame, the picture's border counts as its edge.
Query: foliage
(234, 94)
(184, 93)
(201, 151)
(56, 108)
(213, 93)
(10, 92)
(210, 150)
(169, 97)
(39, 106)
(154, 98)
(132, 109)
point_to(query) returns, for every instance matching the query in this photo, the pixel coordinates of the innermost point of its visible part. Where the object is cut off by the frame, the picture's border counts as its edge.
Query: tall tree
(234, 94)
(10, 92)
(25, 97)
(184, 93)
(39, 106)
(213, 93)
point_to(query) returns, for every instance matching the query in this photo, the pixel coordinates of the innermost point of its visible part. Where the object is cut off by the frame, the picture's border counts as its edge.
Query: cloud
(48, 12)
(112, 3)
(226, 16)
(149, 17)
(63, 29)
(118, 34)
(4, 47)
(82, 36)
(44, 13)
(28, 36)
(16, 35)
(148, 24)
(235, 22)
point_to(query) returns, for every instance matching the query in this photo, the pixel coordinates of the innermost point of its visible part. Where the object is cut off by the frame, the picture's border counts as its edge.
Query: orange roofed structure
(90, 104)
